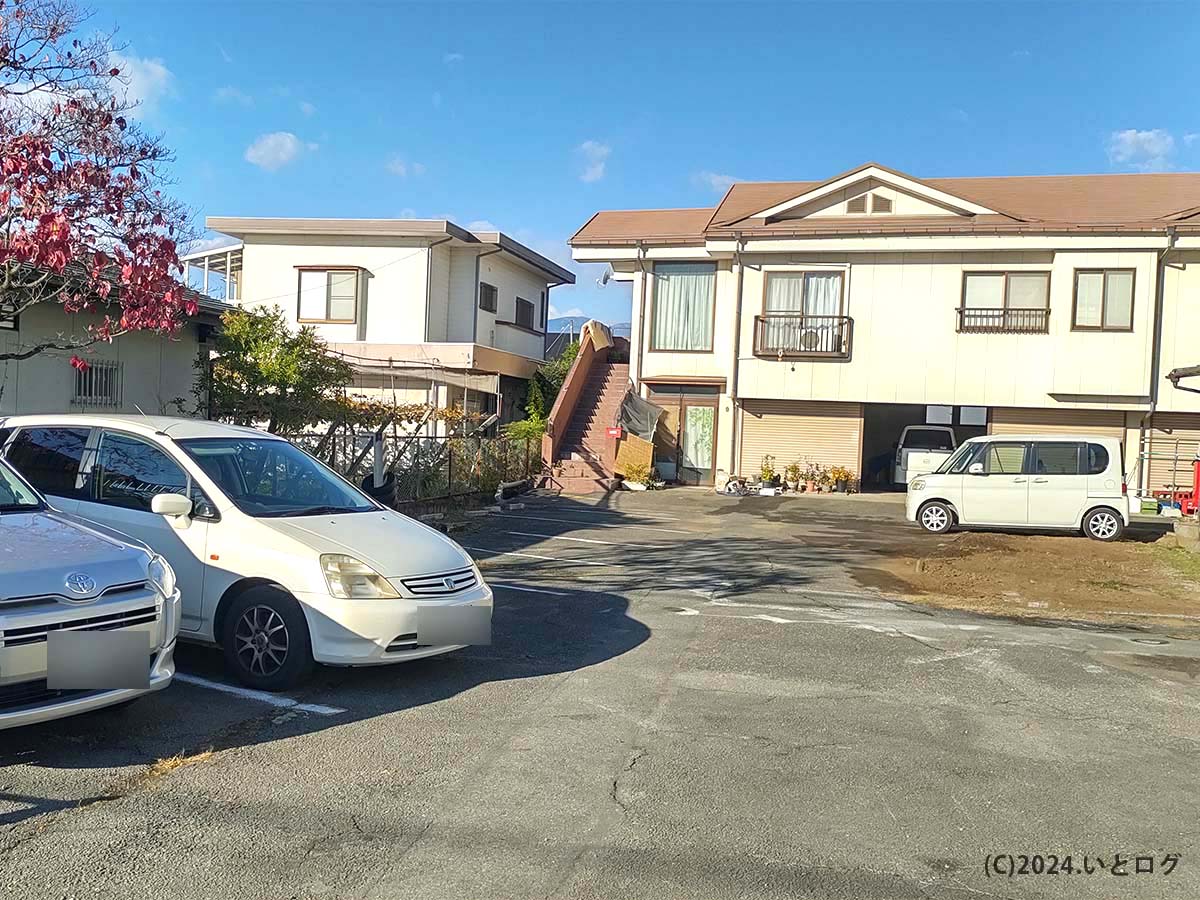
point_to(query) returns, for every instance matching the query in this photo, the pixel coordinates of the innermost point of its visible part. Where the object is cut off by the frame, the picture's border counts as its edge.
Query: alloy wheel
(935, 518)
(1103, 525)
(262, 640)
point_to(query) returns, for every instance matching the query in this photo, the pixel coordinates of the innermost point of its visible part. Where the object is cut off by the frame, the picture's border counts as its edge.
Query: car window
(1004, 459)
(1058, 458)
(958, 461)
(49, 458)
(928, 439)
(1097, 459)
(129, 472)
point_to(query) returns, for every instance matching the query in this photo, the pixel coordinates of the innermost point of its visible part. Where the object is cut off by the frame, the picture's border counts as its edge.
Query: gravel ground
(687, 696)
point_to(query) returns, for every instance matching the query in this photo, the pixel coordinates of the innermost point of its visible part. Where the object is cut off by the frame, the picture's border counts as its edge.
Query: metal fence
(427, 468)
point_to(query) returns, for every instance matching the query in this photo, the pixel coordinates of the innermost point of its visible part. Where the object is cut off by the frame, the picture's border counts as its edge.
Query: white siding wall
(1180, 330)
(439, 294)
(463, 300)
(155, 370)
(395, 282)
(511, 281)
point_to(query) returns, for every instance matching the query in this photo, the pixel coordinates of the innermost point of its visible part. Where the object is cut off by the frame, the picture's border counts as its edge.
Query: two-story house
(426, 311)
(810, 321)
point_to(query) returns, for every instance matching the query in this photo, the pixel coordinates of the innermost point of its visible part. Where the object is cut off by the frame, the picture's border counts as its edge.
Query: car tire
(265, 639)
(936, 517)
(1103, 524)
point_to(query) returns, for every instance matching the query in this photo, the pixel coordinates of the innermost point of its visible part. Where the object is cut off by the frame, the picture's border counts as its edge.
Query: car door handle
(1019, 481)
(1040, 480)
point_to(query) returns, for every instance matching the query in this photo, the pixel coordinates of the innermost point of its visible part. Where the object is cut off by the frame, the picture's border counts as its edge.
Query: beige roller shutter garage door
(1100, 422)
(1172, 443)
(800, 431)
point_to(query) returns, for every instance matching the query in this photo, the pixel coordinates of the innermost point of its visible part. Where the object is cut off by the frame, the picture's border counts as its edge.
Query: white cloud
(1021, 54)
(958, 114)
(402, 169)
(595, 159)
(715, 182)
(1144, 151)
(482, 225)
(452, 58)
(224, 53)
(307, 108)
(1191, 138)
(275, 150)
(143, 82)
(230, 94)
(407, 213)
(436, 99)
(556, 313)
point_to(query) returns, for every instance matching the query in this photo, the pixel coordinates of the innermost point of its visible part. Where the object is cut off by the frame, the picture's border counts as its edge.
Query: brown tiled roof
(1023, 203)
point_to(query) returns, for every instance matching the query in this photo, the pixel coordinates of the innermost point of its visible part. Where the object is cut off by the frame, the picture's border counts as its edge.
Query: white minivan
(1051, 481)
(279, 560)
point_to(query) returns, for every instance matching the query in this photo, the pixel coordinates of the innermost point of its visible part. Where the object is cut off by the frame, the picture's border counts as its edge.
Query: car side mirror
(171, 505)
(975, 469)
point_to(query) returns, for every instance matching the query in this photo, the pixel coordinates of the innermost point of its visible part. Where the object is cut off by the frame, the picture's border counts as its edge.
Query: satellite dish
(605, 277)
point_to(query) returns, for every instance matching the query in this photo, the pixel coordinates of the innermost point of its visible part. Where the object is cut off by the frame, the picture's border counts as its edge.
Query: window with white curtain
(328, 295)
(684, 294)
(1103, 300)
(808, 293)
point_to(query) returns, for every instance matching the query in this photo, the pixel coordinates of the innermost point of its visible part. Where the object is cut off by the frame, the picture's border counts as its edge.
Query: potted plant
(792, 476)
(824, 479)
(638, 477)
(841, 478)
(766, 473)
(811, 476)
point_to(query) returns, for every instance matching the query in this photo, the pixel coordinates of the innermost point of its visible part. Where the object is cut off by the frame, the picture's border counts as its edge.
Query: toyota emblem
(78, 583)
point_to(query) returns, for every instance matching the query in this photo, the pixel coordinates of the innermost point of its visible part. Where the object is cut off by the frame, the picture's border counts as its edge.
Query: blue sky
(532, 116)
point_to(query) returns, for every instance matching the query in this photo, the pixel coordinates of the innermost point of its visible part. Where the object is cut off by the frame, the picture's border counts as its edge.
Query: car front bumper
(360, 632)
(71, 703)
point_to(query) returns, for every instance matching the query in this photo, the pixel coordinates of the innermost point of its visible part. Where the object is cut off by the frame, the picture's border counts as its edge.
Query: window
(129, 472)
(271, 478)
(487, 296)
(1060, 458)
(683, 306)
(1017, 302)
(928, 439)
(9, 323)
(857, 204)
(98, 385)
(49, 458)
(807, 293)
(542, 312)
(1003, 459)
(328, 296)
(1103, 300)
(524, 316)
(1097, 459)
(880, 204)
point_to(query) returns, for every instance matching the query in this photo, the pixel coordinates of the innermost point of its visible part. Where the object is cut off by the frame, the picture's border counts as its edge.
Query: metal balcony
(785, 335)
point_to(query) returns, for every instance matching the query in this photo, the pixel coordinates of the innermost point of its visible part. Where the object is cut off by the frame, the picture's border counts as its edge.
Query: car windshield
(15, 495)
(954, 461)
(928, 439)
(272, 478)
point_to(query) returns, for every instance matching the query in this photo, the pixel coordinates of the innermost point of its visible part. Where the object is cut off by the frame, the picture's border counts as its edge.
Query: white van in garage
(1050, 481)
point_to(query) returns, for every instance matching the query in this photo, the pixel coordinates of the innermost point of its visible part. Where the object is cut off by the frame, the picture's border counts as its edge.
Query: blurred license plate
(438, 626)
(97, 660)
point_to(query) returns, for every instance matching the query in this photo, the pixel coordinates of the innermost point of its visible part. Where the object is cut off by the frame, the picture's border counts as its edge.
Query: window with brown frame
(524, 316)
(1103, 300)
(684, 307)
(1005, 302)
(327, 295)
(487, 296)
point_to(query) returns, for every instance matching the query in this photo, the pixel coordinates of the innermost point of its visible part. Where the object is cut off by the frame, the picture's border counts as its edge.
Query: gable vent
(857, 204)
(880, 204)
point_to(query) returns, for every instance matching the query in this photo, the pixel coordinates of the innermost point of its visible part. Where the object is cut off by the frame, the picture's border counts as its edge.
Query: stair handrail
(572, 386)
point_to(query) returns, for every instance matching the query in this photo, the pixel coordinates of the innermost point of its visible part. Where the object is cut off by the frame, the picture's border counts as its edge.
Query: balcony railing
(1003, 321)
(799, 336)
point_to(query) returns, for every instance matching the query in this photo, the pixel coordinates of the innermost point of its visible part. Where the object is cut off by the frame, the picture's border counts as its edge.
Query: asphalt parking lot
(687, 696)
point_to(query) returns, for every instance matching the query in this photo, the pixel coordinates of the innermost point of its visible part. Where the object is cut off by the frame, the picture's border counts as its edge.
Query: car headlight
(918, 484)
(162, 576)
(352, 579)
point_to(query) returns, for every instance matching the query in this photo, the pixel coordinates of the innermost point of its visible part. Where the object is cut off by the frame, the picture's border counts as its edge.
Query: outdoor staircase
(583, 466)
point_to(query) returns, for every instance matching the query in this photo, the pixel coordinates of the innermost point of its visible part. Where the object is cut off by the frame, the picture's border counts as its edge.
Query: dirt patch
(1047, 577)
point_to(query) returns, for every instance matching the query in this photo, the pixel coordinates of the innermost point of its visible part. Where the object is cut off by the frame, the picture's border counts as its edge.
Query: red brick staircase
(583, 466)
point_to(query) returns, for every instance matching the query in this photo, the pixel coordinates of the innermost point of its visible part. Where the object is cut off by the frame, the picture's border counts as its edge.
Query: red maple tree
(85, 220)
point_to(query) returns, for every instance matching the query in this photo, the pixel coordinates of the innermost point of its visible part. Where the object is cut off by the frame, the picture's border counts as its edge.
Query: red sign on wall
(616, 431)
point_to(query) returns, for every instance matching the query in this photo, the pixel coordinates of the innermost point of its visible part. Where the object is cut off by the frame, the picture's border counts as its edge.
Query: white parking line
(578, 562)
(594, 524)
(260, 696)
(614, 512)
(527, 590)
(563, 537)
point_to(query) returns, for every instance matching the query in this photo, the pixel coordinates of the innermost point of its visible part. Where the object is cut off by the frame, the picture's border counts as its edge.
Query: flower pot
(635, 485)
(840, 487)
(793, 486)
(810, 487)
